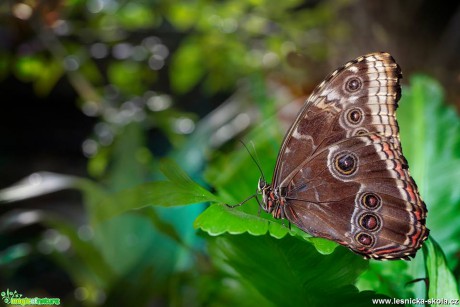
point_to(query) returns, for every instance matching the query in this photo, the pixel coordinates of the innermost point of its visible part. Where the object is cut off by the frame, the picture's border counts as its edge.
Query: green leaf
(174, 173)
(290, 272)
(323, 246)
(185, 190)
(442, 283)
(179, 190)
(163, 226)
(219, 219)
(394, 278)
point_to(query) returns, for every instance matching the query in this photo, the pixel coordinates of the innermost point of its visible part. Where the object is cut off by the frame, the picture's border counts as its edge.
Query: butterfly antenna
(261, 173)
(254, 159)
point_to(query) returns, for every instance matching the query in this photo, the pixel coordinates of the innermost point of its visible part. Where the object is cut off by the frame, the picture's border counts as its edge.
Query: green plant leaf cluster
(288, 272)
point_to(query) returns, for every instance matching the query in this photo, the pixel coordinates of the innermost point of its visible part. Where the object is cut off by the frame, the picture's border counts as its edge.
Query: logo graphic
(8, 296)
(14, 298)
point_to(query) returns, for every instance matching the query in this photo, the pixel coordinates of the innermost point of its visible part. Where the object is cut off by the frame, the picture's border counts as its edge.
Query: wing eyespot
(364, 239)
(355, 116)
(370, 201)
(353, 84)
(370, 221)
(346, 163)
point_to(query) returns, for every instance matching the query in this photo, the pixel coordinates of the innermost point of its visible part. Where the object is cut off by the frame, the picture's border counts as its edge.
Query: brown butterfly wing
(369, 204)
(323, 119)
(341, 170)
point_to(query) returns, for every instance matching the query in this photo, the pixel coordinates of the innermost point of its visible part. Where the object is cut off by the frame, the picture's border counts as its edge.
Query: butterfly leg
(260, 206)
(244, 201)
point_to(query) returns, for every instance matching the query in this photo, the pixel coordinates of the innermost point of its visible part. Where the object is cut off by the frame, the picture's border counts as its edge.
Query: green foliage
(288, 272)
(179, 190)
(442, 281)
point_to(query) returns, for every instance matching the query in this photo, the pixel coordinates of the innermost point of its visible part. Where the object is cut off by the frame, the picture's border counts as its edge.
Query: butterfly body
(340, 172)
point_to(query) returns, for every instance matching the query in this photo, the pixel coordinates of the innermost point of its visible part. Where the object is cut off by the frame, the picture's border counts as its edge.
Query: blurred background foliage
(95, 93)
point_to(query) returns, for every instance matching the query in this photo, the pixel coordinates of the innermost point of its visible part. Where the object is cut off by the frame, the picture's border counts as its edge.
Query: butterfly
(341, 174)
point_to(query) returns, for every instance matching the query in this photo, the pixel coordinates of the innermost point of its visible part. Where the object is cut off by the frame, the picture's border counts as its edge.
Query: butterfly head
(269, 197)
(262, 185)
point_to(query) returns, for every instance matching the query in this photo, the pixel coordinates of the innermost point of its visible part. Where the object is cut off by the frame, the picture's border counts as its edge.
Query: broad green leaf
(163, 226)
(185, 190)
(290, 272)
(124, 240)
(178, 191)
(323, 246)
(175, 174)
(394, 278)
(219, 219)
(442, 283)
